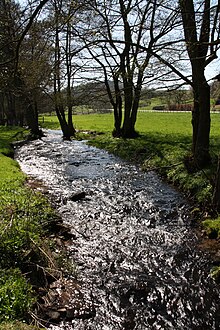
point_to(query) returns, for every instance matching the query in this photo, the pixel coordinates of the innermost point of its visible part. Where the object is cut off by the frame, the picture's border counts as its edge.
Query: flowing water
(135, 252)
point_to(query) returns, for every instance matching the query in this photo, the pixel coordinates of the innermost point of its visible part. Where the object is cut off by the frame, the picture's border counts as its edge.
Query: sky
(213, 68)
(211, 71)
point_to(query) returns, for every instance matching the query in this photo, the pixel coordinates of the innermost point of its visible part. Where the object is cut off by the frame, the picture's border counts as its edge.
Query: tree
(116, 42)
(14, 93)
(9, 21)
(35, 70)
(201, 28)
(64, 68)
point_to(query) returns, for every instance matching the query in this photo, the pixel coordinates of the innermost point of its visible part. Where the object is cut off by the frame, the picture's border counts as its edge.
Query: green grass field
(173, 126)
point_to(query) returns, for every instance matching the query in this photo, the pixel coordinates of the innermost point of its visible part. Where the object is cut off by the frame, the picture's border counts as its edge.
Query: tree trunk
(117, 106)
(201, 153)
(137, 95)
(72, 130)
(70, 121)
(117, 122)
(32, 120)
(201, 121)
(63, 123)
(11, 113)
(195, 120)
(127, 127)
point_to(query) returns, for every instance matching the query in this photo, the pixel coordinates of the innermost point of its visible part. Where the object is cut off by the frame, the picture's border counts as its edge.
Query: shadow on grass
(145, 146)
(7, 135)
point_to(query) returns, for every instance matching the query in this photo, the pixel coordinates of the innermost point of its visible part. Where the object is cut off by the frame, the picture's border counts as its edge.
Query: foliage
(212, 227)
(15, 295)
(215, 273)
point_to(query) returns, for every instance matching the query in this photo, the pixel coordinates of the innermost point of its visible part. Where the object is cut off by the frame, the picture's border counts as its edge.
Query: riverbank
(30, 245)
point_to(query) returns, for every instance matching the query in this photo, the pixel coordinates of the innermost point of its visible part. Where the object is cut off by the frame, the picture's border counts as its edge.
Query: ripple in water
(135, 253)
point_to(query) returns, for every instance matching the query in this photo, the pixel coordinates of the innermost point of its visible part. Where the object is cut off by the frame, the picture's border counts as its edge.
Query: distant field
(147, 122)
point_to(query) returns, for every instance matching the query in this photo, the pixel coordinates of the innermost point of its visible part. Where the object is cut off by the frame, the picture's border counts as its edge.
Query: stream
(135, 251)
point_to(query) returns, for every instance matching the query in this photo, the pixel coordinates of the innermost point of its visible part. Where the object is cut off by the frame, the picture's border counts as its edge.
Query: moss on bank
(212, 227)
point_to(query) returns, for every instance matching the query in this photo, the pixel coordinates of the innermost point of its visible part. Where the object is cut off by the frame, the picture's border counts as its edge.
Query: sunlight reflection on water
(136, 256)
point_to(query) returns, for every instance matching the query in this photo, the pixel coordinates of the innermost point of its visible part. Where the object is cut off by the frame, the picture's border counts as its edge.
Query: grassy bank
(24, 215)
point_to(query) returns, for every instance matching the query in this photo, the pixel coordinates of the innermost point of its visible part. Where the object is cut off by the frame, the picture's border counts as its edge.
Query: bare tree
(201, 30)
(61, 60)
(116, 44)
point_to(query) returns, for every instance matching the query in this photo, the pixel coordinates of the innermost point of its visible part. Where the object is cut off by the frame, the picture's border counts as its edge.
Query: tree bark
(63, 123)
(197, 48)
(31, 116)
(72, 130)
(201, 149)
(58, 100)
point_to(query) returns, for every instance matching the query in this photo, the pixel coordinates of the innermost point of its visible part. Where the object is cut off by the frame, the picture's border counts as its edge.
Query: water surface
(135, 252)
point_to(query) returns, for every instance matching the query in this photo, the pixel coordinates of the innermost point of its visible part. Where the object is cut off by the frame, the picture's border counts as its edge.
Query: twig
(38, 321)
(46, 255)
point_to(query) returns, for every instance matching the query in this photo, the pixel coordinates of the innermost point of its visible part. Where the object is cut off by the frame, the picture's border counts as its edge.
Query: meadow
(147, 122)
(156, 126)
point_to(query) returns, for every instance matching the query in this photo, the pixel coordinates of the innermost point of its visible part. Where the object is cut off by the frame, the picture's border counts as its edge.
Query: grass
(17, 326)
(23, 217)
(8, 135)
